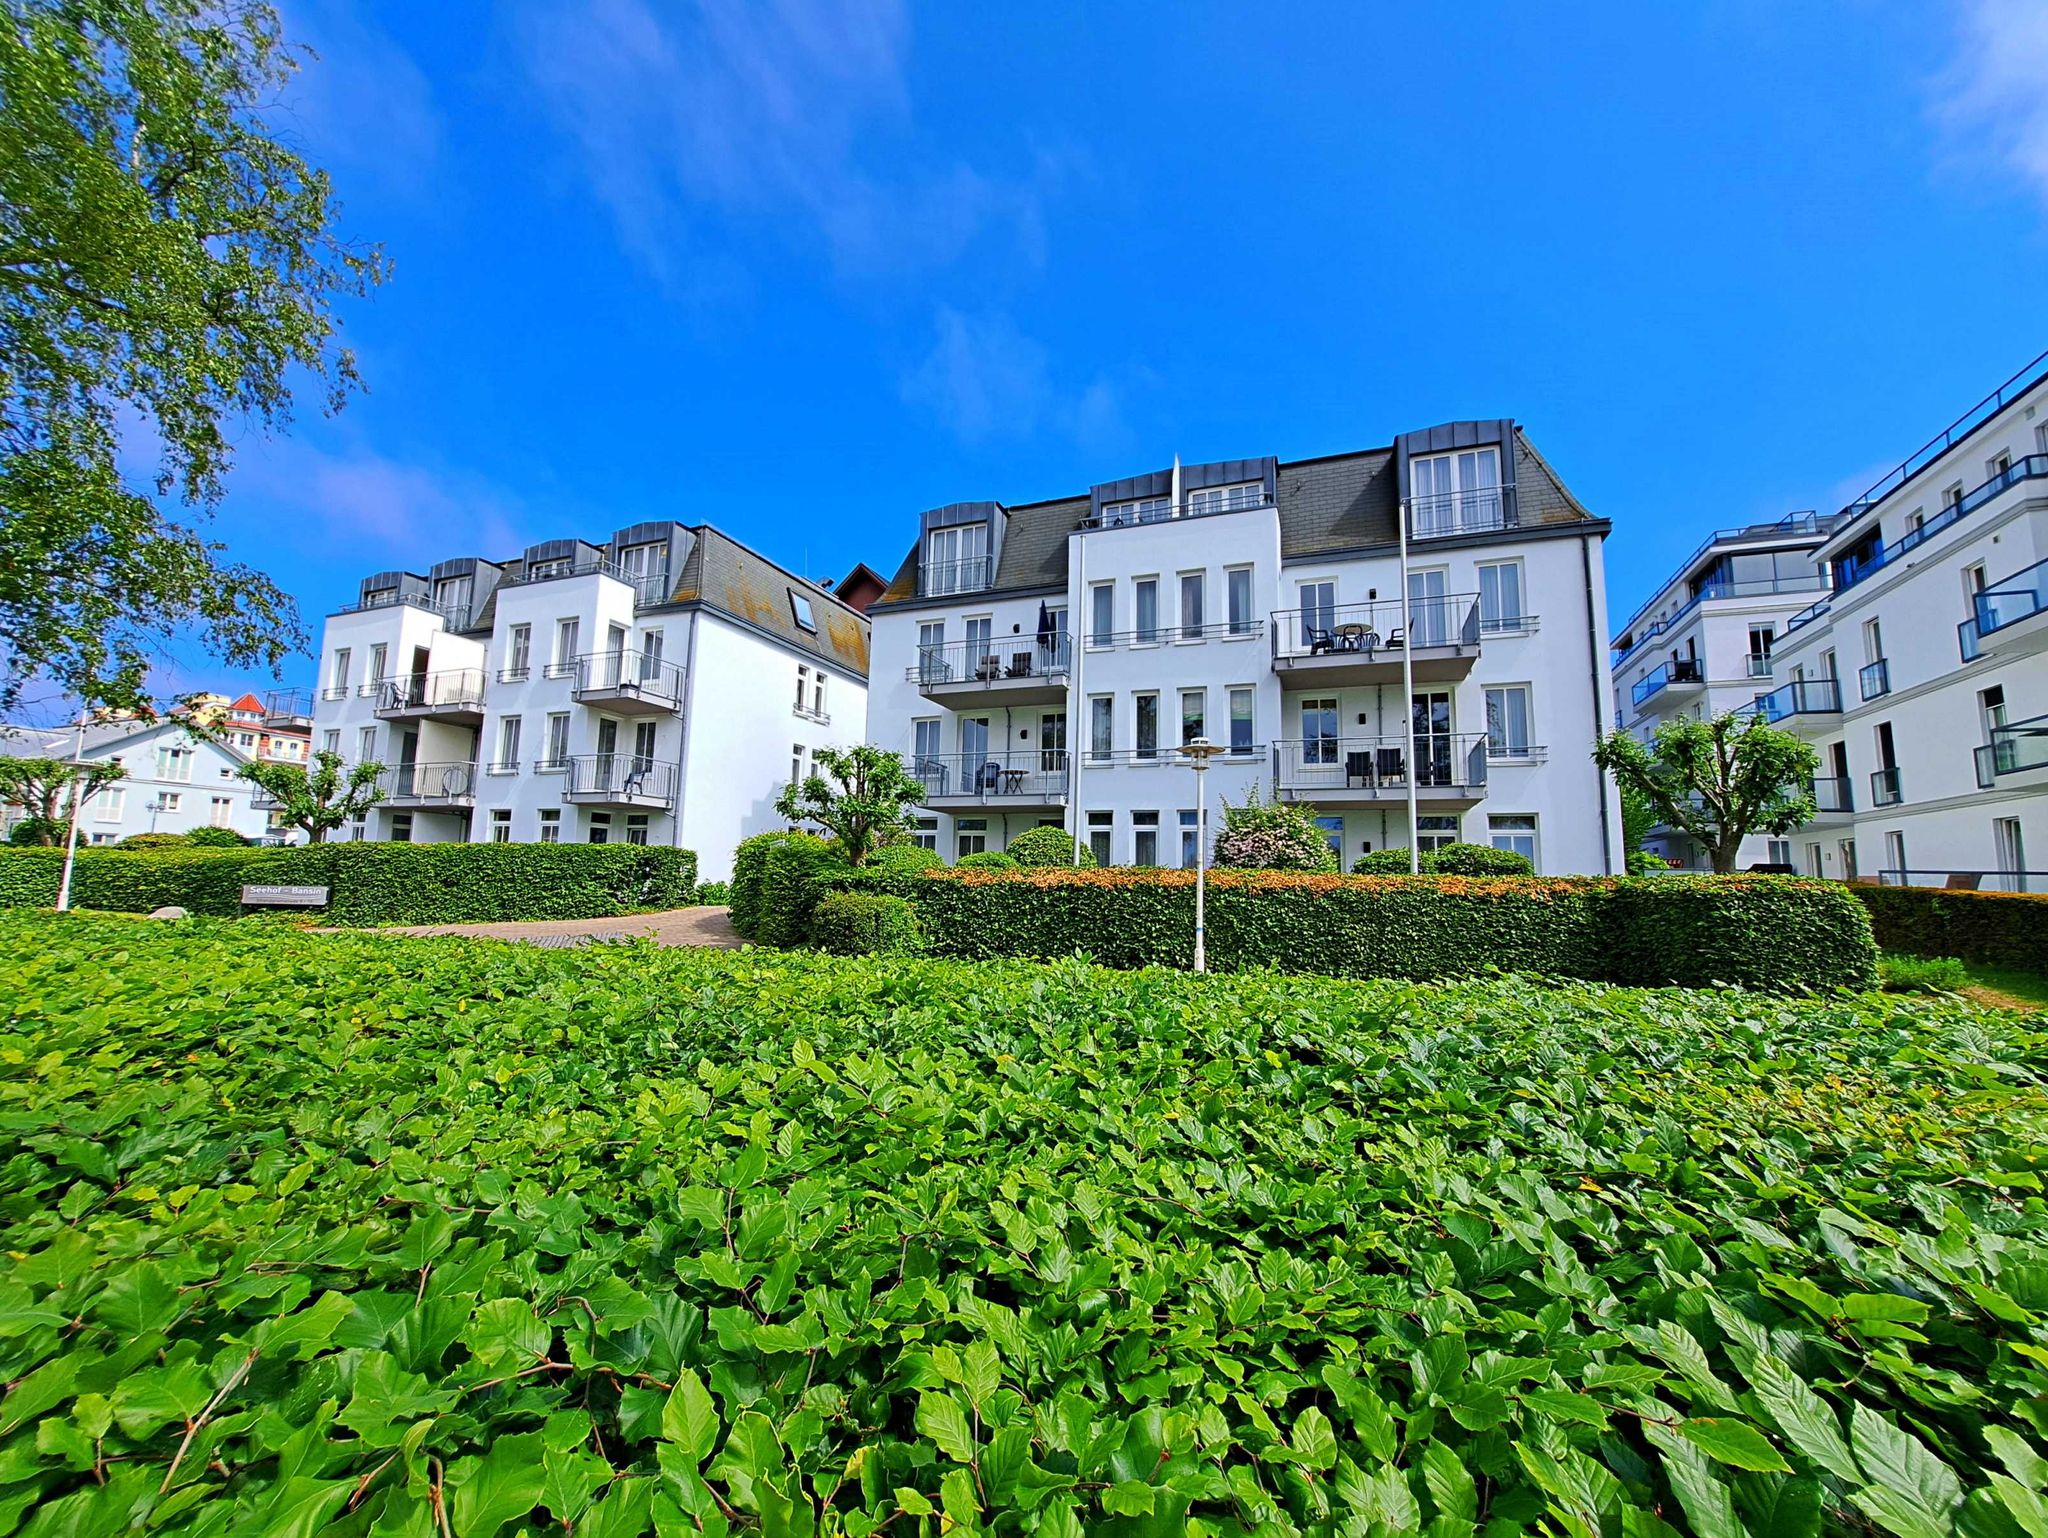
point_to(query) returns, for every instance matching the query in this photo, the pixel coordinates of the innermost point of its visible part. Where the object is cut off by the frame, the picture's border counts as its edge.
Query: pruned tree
(168, 270)
(862, 796)
(46, 787)
(320, 797)
(1717, 781)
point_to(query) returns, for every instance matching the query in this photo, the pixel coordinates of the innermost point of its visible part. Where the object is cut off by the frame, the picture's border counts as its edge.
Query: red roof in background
(249, 703)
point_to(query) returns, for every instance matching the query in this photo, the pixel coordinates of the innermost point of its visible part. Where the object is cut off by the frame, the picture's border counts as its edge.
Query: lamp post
(71, 833)
(1198, 753)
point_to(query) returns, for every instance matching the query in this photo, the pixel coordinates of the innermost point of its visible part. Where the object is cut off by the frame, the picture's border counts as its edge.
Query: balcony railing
(1711, 591)
(1381, 765)
(1833, 793)
(1031, 774)
(1963, 425)
(454, 613)
(1968, 880)
(1801, 697)
(1164, 634)
(1886, 788)
(2020, 596)
(936, 579)
(618, 779)
(1361, 629)
(1686, 670)
(2034, 466)
(611, 675)
(1759, 666)
(2014, 748)
(452, 691)
(1149, 510)
(288, 707)
(1478, 510)
(448, 784)
(994, 661)
(1875, 680)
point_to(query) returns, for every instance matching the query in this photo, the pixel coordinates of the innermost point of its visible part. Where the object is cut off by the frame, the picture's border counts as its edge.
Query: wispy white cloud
(1993, 97)
(364, 106)
(984, 379)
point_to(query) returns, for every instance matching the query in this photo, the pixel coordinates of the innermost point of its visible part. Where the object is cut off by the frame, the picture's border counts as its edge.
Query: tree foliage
(1272, 835)
(862, 796)
(1718, 781)
(45, 787)
(167, 264)
(320, 798)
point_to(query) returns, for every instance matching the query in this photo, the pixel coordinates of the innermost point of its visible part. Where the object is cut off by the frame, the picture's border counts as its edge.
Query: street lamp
(1198, 753)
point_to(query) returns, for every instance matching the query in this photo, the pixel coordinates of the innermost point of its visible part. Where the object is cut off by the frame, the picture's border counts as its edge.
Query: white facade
(1259, 605)
(1702, 647)
(176, 780)
(1923, 676)
(658, 689)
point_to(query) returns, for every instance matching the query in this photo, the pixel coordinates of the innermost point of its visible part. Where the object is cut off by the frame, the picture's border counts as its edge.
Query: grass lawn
(357, 1235)
(2004, 988)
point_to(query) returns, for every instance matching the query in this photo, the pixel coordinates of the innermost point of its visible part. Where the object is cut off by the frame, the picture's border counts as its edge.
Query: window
(1052, 742)
(568, 636)
(1144, 838)
(1973, 584)
(1778, 851)
(1500, 596)
(1845, 851)
(1145, 608)
(1226, 499)
(1997, 465)
(924, 833)
(1433, 832)
(800, 611)
(1100, 826)
(1237, 597)
(501, 825)
(1991, 708)
(2012, 852)
(970, 835)
(1429, 607)
(1190, 839)
(245, 740)
(174, 763)
(818, 694)
(1507, 721)
(330, 741)
(551, 825)
(1242, 700)
(1813, 861)
(1951, 495)
(1194, 713)
(1121, 515)
(1318, 611)
(1873, 641)
(1193, 589)
(1101, 727)
(1760, 639)
(796, 764)
(650, 654)
(401, 827)
(378, 656)
(1319, 731)
(338, 677)
(1333, 835)
(366, 745)
(557, 756)
(1101, 614)
(981, 650)
(924, 745)
(1895, 851)
(110, 804)
(1147, 743)
(1454, 493)
(646, 567)
(222, 810)
(508, 746)
(803, 686)
(956, 560)
(636, 827)
(1514, 833)
(170, 801)
(600, 827)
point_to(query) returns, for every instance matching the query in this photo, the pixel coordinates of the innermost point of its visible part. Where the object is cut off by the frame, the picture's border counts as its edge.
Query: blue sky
(802, 269)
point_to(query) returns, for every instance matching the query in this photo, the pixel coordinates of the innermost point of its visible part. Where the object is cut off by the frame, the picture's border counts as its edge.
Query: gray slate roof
(726, 577)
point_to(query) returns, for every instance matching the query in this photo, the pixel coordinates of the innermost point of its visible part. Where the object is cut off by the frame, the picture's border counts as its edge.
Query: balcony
(446, 787)
(1801, 697)
(1759, 665)
(289, 709)
(1683, 677)
(1028, 779)
(1849, 572)
(942, 579)
(2014, 748)
(630, 683)
(1016, 670)
(454, 695)
(1886, 788)
(1476, 510)
(2004, 610)
(1875, 680)
(1364, 643)
(1833, 796)
(1449, 770)
(619, 779)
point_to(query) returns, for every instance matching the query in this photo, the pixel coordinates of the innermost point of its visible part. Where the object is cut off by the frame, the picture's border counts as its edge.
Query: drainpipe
(1408, 689)
(1077, 641)
(1599, 705)
(675, 820)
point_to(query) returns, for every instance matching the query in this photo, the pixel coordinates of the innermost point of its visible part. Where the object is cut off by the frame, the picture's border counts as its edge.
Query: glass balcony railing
(1686, 670)
(2018, 597)
(1832, 793)
(1886, 787)
(2014, 748)
(1801, 697)
(1875, 680)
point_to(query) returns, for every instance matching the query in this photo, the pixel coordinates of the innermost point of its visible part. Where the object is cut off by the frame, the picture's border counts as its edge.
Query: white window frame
(1101, 614)
(1507, 750)
(1236, 625)
(111, 804)
(1205, 501)
(1503, 623)
(1511, 830)
(1193, 629)
(1140, 635)
(507, 759)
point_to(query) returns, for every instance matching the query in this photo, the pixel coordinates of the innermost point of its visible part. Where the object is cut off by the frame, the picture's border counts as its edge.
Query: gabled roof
(20, 741)
(727, 578)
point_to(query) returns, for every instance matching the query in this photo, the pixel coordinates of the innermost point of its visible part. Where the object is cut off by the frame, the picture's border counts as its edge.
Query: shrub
(368, 883)
(36, 832)
(1921, 974)
(1753, 931)
(1271, 835)
(789, 889)
(153, 841)
(904, 859)
(712, 894)
(1383, 862)
(1048, 846)
(216, 838)
(987, 859)
(2002, 929)
(749, 858)
(866, 924)
(1476, 860)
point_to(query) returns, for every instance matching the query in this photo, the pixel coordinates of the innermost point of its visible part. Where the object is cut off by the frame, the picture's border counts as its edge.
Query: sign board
(284, 896)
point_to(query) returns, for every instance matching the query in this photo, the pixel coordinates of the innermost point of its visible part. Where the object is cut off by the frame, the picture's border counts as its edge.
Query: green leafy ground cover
(351, 1234)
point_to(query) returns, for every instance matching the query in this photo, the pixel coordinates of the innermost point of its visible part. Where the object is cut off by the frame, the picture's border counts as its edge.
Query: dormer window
(646, 567)
(1121, 515)
(956, 559)
(1226, 499)
(800, 608)
(1457, 493)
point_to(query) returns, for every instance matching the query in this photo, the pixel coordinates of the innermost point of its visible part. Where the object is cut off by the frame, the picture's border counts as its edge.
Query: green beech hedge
(1761, 932)
(368, 883)
(2005, 929)
(866, 924)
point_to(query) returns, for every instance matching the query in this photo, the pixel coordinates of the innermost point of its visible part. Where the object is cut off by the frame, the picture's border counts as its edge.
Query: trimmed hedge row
(368, 883)
(1760, 932)
(2003, 929)
(866, 924)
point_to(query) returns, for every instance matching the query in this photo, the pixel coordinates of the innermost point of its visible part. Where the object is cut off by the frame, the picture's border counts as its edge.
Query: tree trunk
(1724, 855)
(317, 835)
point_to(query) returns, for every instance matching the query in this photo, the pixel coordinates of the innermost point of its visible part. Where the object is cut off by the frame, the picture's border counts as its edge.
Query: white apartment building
(1041, 663)
(659, 688)
(1922, 676)
(176, 780)
(1701, 646)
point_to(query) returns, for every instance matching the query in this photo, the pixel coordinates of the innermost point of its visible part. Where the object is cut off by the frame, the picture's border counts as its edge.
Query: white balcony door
(2012, 852)
(643, 746)
(1456, 491)
(973, 742)
(1428, 610)
(958, 559)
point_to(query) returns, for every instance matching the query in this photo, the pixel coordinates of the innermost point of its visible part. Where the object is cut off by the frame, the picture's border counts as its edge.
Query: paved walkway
(678, 926)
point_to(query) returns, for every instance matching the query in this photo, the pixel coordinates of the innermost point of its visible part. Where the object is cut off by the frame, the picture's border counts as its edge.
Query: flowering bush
(1272, 835)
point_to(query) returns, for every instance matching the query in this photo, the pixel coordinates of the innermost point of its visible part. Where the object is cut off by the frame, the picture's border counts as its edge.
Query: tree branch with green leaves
(1717, 781)
(862, 796)
(319, 798)
(49, 789)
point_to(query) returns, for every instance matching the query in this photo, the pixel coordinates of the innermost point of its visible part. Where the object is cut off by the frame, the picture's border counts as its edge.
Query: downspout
(675, 821)
(1077, 640)
(1408, 688)
(1599, 705)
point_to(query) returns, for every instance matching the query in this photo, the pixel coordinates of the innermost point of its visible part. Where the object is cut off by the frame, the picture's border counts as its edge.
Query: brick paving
(678, 926)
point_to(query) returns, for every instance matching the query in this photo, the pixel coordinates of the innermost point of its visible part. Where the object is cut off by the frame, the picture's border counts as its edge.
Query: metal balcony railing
(1875, 679)
(2020, 596)
(1447, 761)
(1163, 634)
(1686, 670)
(1833, 793)
(1362, 629)
(1963, 425)
(1031, 774)
(1801, 697)
(936, 579)
(1968, 880)
(994, 661)
(453, 690)
(446, 784)
(1849, 572)
(292, 707)
(1476, 510)
(621, 779)
(609, 674)
(2014, 748)
(1707, 594)
(1147, 510)
(1886, 788)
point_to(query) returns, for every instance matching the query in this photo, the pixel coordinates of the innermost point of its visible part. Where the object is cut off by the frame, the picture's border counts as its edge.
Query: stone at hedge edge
(171, 912)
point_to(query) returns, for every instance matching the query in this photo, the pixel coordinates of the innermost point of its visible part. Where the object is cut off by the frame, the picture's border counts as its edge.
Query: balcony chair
(988, 669)
(931, 773)
(1357, 768)
(1396, 638)
(1020, 665)
(1388, 767)
(1963, 880)
(989, 776)
(1319, 641)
